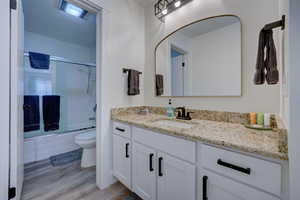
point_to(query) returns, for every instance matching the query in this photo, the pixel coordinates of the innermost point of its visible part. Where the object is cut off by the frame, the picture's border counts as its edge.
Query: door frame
(5, 23)
(104, 177)
(5, 96)
(294, 91)
(16, 174)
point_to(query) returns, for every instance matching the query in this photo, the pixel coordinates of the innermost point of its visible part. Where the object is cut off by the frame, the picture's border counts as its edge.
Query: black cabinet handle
(235, 167)
(204, 188)
(151, 162)
(120, 129)
(160, 159)
(127, 155)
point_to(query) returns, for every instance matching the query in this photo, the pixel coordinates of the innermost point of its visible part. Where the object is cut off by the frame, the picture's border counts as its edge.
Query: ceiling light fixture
(165, 7)
(72, 9)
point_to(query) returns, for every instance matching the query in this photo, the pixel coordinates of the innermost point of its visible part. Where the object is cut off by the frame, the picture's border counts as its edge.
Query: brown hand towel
(259, 77)
(266, 63)
(133, 82)
(272, 75)
(159, 79)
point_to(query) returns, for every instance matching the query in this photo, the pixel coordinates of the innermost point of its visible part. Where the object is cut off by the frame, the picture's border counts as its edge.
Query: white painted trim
(4, 101)
(99, 48)
(294, 99)
(102, 8)
(104, 179)
(16, 99)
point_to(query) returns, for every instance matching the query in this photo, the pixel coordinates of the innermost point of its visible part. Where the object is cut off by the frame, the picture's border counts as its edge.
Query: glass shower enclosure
(74, 83)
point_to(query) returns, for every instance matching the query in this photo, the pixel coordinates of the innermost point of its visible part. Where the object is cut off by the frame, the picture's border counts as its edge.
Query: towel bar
(126, 70)
(280, 23)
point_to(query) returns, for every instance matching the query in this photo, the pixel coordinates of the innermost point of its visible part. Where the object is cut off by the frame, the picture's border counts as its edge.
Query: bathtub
(42, 147)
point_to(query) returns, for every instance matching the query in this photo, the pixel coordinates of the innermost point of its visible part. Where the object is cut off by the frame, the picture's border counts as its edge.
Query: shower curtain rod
(60, 59)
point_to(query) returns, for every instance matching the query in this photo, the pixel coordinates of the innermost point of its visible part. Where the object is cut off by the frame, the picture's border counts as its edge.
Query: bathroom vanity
(162, 159)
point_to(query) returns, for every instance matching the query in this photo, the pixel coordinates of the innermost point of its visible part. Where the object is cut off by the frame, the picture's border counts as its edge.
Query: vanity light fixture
(177, 4)
(165, 7)
(165, 11)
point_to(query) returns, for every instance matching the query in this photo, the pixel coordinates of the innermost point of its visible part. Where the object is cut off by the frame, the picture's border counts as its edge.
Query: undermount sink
(175, 124)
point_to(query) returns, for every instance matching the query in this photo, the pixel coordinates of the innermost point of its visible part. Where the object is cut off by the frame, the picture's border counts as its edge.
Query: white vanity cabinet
(252, 171)
(176, 178)
(158, 166)
(122, 154)
(144, 171)
(173, 178)
(218, 187)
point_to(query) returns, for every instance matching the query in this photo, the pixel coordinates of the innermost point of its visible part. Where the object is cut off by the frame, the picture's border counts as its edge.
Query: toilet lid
(86, 136)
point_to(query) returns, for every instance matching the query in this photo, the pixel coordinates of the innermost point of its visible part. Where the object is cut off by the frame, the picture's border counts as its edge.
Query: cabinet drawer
(122, 129)
(216, 187)
(180, 148)
(252, 171)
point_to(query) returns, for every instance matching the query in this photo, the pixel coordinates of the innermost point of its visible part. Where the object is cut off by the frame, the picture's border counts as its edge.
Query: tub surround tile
(214, 127)
(42, 147)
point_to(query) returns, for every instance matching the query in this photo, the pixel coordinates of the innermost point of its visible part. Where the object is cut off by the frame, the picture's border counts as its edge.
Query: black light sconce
(164, 7)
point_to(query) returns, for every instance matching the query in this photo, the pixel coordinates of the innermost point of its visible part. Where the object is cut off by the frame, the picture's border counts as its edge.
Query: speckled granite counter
(212, 127)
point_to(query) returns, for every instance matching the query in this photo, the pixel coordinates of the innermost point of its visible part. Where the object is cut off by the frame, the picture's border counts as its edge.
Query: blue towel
(31, 113)
(39, 61)
(51, 112)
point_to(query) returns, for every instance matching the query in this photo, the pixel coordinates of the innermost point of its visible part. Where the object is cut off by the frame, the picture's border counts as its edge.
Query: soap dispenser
(170, 110)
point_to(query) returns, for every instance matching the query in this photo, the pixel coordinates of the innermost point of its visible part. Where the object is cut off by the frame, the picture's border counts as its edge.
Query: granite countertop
(223, 133)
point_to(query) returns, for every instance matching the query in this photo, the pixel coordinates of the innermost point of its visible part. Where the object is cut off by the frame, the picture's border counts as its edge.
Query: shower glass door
(75, 84)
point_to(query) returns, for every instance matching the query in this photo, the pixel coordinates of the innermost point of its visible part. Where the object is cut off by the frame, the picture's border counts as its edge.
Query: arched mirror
(201, 59)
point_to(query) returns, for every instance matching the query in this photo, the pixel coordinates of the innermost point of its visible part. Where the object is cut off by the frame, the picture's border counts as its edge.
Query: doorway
(57, 33)
(178, 68)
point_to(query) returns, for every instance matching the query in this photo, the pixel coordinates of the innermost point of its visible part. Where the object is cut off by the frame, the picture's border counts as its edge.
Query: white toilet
(87, 141)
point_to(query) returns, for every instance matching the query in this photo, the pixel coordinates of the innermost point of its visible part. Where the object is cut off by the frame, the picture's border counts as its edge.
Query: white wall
(43, 44)
(254, 15)
(294, 98)
(284, 61)
(4, 88)
(215, 62)
(123, 46)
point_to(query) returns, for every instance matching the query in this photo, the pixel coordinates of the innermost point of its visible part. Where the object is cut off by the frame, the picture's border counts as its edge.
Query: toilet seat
(86, 136)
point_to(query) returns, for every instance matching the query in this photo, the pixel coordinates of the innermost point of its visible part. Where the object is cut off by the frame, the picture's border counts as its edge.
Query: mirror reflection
(201, 59)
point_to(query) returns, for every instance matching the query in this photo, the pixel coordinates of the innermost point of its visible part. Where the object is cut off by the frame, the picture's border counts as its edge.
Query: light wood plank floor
(42, 181)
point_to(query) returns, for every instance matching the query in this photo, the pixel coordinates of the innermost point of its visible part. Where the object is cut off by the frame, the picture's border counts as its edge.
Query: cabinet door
(216, 187)
(143, 171)
(122, 159)
(176, 179)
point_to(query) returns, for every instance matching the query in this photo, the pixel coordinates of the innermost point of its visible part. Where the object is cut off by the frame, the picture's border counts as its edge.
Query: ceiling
(208, 25)
(145, 2)
(44, 17)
